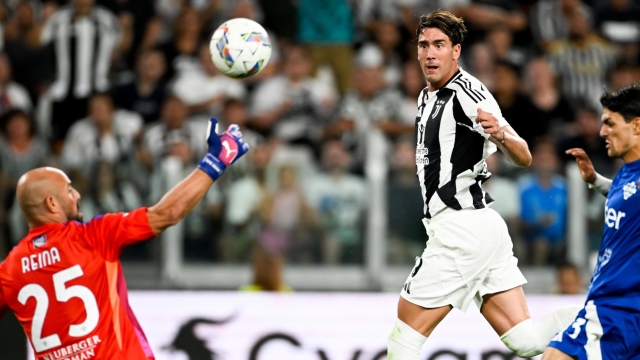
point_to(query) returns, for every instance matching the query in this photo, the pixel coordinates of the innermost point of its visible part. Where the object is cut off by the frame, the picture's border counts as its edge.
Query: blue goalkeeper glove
(223, 149)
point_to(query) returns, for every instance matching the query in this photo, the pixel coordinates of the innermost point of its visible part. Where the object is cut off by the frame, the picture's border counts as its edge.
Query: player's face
(621, 136)
(71, 204)
(437, 56)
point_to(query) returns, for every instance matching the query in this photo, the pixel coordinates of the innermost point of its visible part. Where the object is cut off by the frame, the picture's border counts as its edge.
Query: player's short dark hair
(448, 23)
(625, 101)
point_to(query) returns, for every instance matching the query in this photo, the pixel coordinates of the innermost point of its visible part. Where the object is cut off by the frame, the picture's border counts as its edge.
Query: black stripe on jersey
(467, 152)
(432, 143)
(70, 56)
(464, 88)
(476, 195)
(420, 134)
(487, 198)
(475, 91)
(98, 38)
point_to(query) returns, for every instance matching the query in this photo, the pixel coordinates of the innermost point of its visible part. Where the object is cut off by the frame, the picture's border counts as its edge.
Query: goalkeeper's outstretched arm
(175, 205)
(596, 181)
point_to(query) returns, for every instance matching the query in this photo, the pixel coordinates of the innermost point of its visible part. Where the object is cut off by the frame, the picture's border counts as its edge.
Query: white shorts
(469, 254)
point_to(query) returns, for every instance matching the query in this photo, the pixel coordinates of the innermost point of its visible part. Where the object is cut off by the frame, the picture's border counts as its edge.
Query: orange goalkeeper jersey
(64, 282)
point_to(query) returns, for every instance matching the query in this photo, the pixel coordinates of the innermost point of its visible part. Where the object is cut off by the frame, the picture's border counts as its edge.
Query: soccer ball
(240, 48)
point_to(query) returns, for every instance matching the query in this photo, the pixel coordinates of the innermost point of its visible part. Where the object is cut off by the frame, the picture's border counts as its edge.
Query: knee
(523, 340)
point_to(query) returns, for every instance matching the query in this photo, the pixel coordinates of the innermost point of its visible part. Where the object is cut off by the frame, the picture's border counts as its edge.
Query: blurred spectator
(286, 218)
(624, 74)
(482, 15)
(388, 40)
(370, 103)
(146, 92)
(587, 125)
(504, 192)
(32, 65)
(234, 111)
(516, 106)
(411, 10)
(552, 107)
(619, 22)
(412, 84)
(182, 48)
(20, 151)
(506, 200)
(84, 37)
(292, 106)
(12, 94)
(340, 201)
(327, 28)
(568, 279)
(141, 13)
(108, 193)
(549, 19)
(204, 89)
(543, 196)
(500, 40)
(173, 135)
(481, 63)
(267, 272)
(406, 233)
(582, 61)
(106, 135)
(243, 199)
(23, 25)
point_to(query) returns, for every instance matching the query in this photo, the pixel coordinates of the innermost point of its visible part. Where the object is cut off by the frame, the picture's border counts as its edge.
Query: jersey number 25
(63, 294)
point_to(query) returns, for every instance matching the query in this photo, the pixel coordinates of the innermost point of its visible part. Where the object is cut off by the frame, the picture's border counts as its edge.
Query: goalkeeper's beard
(74, 215)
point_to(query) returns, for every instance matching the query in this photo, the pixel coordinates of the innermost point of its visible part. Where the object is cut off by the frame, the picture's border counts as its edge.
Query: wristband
(601, 184)
(213, 166)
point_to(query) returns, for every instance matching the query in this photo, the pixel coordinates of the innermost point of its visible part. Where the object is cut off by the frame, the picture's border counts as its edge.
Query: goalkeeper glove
(223, 150)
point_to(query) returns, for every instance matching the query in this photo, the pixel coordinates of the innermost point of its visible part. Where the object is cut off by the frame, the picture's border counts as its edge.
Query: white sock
(529, 338)
(404, 343)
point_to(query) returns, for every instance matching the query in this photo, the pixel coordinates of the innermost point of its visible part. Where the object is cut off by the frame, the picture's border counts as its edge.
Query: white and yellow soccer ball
(240, 48)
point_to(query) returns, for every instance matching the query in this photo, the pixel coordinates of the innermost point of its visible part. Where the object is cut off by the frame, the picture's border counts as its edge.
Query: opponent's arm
(596, 181)
(507, 140)
(176, 204)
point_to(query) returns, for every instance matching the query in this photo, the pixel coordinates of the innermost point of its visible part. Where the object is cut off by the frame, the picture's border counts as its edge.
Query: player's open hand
(587, 170)
(223, 150)
(490, 124)
(228, 147)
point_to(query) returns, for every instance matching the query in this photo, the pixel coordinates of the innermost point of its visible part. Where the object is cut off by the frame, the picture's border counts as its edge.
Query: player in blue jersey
(608, 327)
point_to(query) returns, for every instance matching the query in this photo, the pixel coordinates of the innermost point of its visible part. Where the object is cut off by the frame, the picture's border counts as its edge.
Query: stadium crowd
(116, 92)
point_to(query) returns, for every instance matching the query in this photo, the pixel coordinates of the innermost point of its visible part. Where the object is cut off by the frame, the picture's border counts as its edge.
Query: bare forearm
(176, 204)
(515, 148)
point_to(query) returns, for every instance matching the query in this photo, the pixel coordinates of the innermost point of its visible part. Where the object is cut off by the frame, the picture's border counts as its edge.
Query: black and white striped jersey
(83, 48)
(451, 147)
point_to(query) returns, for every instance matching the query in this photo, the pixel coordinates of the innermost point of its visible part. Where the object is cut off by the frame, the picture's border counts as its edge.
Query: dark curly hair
(450, 24)
(625, 102)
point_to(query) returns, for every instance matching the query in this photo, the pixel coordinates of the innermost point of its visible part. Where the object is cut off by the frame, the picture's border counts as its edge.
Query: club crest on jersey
(438, 105)
(39, 241)
(629, 189)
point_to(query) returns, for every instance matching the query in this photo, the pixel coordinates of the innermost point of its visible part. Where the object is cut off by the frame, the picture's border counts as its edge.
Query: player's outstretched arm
(596, 181)
(176, 204)
(507, 140)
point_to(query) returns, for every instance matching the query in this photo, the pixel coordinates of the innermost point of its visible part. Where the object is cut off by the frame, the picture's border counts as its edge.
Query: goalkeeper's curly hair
(448, 23)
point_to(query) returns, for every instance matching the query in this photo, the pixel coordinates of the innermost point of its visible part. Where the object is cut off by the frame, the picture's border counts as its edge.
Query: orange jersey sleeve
(109, 234)
(65, 284)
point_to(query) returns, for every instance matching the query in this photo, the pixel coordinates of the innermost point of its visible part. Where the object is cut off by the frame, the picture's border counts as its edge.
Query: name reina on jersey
(451, 147)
